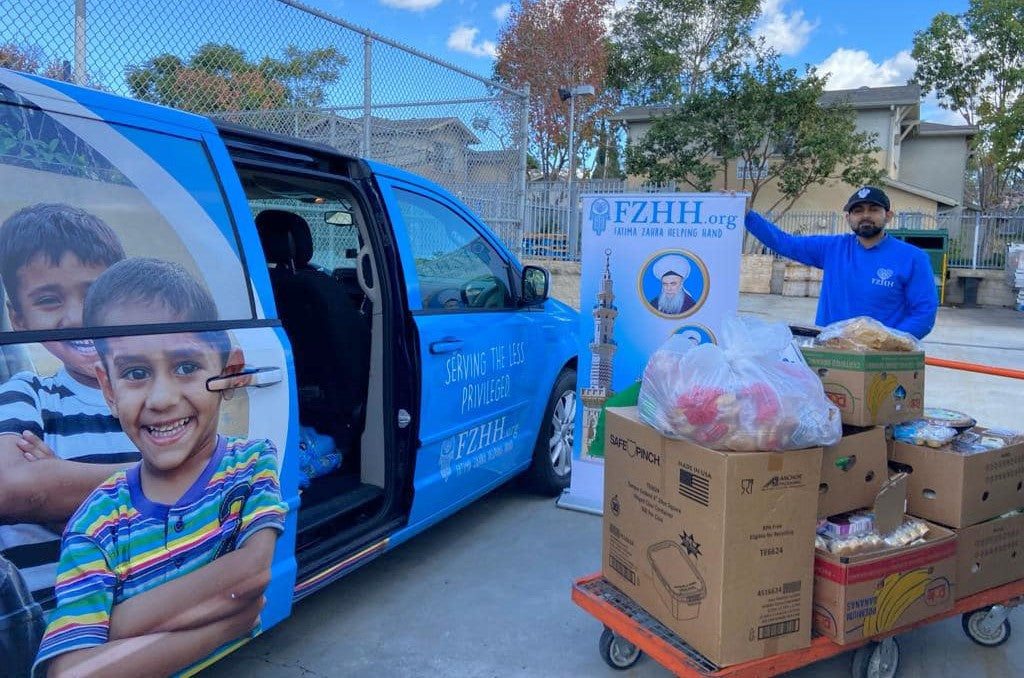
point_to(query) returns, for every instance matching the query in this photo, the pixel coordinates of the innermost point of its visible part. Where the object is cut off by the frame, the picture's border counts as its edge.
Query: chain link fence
(288, 68)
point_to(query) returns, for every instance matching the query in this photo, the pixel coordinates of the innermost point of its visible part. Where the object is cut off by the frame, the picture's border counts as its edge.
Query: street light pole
(569, 231)
(571, 94)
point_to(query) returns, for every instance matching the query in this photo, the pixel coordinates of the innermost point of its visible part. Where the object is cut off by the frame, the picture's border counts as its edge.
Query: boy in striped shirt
(50, 253)
(199, 509)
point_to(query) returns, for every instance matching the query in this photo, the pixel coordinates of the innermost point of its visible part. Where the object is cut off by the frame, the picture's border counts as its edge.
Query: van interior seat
(330, 338)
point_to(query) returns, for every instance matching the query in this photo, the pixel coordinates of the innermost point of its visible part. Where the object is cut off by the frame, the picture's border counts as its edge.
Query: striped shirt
(120, 544)
(75, 421)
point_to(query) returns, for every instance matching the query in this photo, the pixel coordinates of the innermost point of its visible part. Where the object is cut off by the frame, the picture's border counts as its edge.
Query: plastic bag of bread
(740, 395)
(866, 334)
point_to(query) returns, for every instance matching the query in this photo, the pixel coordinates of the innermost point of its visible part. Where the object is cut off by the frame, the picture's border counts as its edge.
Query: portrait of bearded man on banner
(673, 298)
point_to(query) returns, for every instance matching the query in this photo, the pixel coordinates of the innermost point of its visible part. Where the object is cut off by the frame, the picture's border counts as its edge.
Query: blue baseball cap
(868, 194)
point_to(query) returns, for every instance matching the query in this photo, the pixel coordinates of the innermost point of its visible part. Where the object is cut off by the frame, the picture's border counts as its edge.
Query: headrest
(286, 238)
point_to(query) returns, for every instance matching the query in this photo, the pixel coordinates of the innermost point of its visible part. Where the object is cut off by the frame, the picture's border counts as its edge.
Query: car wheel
(551, 469)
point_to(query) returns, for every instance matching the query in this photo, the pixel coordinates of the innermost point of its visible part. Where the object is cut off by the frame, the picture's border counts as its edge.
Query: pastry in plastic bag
(923, 432)
(982, 439)
(740, 395)
(866, 334)
(910, 532)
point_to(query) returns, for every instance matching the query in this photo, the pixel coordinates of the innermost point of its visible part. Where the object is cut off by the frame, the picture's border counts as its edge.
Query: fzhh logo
(447, 455)
(599, 211)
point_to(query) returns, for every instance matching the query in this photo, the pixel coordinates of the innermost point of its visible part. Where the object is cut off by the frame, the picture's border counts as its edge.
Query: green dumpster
(935, 243)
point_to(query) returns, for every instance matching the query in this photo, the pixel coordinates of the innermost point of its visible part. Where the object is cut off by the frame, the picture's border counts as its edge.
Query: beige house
(924, 162)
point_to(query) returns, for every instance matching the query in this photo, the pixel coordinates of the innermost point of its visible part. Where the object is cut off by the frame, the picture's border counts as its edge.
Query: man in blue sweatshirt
(866, 272)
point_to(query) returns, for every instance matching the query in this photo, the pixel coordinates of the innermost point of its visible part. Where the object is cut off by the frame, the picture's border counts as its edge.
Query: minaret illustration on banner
(602, 351)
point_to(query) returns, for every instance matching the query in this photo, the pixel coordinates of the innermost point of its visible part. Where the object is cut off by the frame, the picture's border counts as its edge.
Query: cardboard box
(958, 490)
(718, 546)
(989, 554)
(871, 388)
(852, 471)
(871, 593)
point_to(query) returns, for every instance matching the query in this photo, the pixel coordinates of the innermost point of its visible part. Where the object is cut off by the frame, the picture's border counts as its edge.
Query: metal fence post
(367, 94)
(524, 137)
(80, 73)
(977, 234)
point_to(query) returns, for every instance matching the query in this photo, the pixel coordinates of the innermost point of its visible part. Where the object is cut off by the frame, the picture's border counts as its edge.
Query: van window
(327, 208)
(91, 193)
(458, 270)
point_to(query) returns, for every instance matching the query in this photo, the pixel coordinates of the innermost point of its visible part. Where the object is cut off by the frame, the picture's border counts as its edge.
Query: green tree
(220, 77)
(974, 63)
(606, 159)
(663, 50)
(771, 123)
(551, 44)
(29, 59)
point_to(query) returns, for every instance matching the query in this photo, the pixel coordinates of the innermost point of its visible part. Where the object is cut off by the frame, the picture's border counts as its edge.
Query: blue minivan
(354, 352)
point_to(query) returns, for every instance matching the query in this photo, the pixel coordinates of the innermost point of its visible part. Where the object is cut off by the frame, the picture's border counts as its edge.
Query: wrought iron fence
(285, 67)
(982, 240)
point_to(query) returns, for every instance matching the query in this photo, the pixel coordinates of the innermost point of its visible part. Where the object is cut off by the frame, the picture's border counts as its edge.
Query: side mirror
(536, 285)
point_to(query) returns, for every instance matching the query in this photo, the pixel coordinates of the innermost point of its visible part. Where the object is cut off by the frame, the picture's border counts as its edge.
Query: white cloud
(415, 5)
(932, 112)
(501, 12)
(850, 68)
(463, 39)
(787, 33)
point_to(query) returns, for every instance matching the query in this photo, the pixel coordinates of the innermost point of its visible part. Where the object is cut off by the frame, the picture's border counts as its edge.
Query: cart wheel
(616, 651)
(876, 660)
(979, 629)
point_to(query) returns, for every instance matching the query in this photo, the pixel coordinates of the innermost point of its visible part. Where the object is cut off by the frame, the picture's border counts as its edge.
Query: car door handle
(446, 345)
(250, 376)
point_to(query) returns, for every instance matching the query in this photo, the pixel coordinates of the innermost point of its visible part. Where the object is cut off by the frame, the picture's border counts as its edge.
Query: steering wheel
(449, 298)
(484, 291)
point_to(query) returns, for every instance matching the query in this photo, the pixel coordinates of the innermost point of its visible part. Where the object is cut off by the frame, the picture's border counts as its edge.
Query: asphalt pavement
(486, 592)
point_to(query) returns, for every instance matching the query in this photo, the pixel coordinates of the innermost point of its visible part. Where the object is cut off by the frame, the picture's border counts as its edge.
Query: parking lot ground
(486, 592)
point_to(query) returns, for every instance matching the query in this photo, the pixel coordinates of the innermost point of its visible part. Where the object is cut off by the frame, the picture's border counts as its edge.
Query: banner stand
(651, 266)
(589, 475)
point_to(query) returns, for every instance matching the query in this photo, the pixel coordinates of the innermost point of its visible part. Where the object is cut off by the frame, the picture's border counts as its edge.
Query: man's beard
(867, 229)
(671, 305)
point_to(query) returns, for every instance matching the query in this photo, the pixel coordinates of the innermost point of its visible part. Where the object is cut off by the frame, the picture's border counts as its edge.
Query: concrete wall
(993, 289)
(565, 279)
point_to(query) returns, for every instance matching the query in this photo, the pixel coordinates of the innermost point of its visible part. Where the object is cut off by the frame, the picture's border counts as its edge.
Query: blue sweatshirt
(892, 282)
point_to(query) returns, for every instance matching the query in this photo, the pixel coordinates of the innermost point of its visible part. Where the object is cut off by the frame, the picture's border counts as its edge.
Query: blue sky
(859, 43)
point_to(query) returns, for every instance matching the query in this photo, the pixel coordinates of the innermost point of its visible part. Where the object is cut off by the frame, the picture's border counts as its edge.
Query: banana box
(990, 554)
(873, 593)
(871, 387)
(957, 489)
(852, 470)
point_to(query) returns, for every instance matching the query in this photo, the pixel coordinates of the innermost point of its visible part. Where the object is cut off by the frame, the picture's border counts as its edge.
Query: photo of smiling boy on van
(199, 507)
(50, 254)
